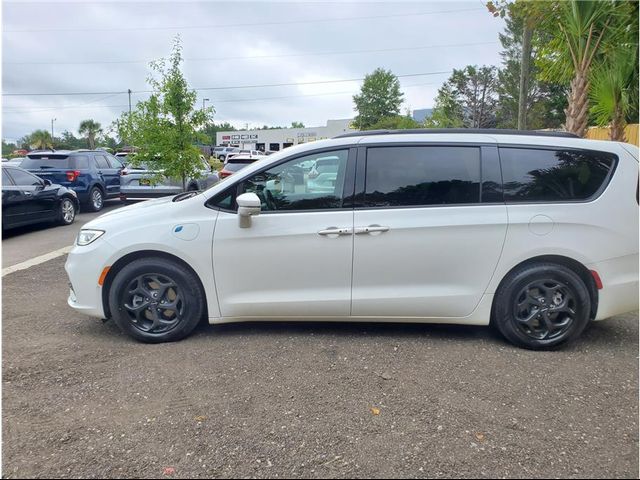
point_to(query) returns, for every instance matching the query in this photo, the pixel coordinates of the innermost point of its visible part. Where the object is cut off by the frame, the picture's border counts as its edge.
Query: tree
(467, 99)
(397, 122)
(611, 89)
(581, 32)
(211, 129)
(40, 140)
(297, 125)
(165, 127)
(90, 129)
(544, 102)
(8, 148)
(379, 97)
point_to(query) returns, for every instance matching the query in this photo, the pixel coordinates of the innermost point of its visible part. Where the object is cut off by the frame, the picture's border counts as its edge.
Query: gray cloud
(47, 33)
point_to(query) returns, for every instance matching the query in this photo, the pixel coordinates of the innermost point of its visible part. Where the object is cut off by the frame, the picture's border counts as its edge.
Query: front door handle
(336, 231)
(374, 229)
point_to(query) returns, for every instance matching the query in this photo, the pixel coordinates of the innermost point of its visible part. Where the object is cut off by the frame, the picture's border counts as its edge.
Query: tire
(541, 306)
(96, 199)
(67, 211)
(132, 301)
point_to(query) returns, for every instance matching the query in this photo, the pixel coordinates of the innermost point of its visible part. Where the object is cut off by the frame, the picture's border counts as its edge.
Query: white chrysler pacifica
(535, 234)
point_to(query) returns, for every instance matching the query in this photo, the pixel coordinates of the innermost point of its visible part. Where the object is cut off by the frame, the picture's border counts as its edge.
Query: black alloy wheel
(541, 305)
(156, 300)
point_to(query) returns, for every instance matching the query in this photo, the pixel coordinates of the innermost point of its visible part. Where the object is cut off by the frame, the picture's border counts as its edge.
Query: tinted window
(6, 181)
(24, 179)
(405, 176)
(45, 162)
(114, 162)
(81, 162)
(102, 161)
(532, 175)
(288, 187)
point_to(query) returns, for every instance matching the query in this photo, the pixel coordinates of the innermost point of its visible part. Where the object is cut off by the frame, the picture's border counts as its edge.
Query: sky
(99, 50)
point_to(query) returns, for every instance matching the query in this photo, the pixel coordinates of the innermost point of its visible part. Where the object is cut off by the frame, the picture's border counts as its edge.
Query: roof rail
(492, 131)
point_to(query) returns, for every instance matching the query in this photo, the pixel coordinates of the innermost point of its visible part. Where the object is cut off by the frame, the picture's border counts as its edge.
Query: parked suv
(224, 153)
(535, 234)
(93, 174)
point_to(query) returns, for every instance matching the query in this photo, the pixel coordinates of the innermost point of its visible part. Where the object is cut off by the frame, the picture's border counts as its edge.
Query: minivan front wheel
(156, 300)
(541, 306)
(96, 199)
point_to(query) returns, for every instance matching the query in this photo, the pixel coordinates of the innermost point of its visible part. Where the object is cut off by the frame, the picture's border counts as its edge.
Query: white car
(536, 234)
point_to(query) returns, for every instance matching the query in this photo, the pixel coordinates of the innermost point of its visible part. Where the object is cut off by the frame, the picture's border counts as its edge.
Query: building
(278, 138)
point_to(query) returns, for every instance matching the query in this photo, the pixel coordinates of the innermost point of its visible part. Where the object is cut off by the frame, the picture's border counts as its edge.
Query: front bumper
(84, 266)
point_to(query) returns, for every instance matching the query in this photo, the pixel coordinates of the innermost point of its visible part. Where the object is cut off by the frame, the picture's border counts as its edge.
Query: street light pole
(129, 92)
(52, 120)
(204, 100)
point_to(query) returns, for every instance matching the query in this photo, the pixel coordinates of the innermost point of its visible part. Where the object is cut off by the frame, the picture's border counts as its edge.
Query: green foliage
(545, 101)
(379, 97)
(90, 129)
(8, 148)
(467, 99)
(612, 85)
(211, 129)
(165, 127)
(297, 125)
(39, 140)
(397, 122)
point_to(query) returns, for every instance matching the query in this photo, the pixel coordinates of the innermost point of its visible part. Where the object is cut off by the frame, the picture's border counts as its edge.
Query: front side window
(289, 186)
(532, 175)
(415, 176)
(25, 179)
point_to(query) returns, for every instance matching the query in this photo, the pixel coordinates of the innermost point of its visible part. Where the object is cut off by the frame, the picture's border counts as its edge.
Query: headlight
(85, 237)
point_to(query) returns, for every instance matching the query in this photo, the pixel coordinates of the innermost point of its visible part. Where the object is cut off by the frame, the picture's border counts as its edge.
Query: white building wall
(277, 139)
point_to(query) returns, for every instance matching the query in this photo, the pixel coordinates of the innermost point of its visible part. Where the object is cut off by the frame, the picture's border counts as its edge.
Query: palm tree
(40, 140)
(584, 26)
(91, 129)
(611, 90)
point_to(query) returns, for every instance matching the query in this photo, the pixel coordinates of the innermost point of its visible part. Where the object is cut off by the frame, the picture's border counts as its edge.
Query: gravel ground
(307, 400)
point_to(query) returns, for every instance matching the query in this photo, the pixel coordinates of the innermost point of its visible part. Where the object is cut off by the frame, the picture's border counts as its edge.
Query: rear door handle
(336, 231)
(375, 229)
(28, 194)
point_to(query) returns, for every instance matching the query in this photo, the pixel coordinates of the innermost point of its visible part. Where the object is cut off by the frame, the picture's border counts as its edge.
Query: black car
(28, 199)
(93, 174)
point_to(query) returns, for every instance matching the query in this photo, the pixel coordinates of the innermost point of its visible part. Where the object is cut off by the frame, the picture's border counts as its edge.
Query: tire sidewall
(503, 313)
(75, 210)
(188, 286)
(90, 202)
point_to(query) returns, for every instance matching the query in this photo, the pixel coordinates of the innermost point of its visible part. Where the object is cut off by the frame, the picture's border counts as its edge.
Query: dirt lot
(300, 400)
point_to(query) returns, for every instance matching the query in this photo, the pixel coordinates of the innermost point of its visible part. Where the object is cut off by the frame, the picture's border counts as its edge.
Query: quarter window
(411, 176)
(532, 175)
(6, 180)
(305, 183)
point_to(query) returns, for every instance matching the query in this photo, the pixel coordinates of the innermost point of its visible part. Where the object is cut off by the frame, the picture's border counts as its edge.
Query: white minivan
(533, 233)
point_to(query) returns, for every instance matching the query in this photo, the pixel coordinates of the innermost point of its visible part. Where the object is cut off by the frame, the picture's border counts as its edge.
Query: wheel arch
(574, 265)
(128, 258)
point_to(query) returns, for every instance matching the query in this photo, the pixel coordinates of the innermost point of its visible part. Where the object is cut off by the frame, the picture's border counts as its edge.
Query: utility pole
(52, 120)
(204, 100)
(129, 91)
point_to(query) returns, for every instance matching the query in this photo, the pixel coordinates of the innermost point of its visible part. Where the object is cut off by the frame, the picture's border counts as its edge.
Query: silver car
(140, 181)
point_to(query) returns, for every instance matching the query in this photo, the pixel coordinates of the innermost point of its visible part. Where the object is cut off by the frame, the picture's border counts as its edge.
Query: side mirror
(248, 206)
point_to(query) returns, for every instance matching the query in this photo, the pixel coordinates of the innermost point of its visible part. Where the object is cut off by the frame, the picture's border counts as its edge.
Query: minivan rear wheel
(156, 300)
(541, 305)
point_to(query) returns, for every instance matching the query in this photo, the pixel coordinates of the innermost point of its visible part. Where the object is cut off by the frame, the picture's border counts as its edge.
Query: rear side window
(101, 161)
(80, 162)
(412, 176)
(534, 175)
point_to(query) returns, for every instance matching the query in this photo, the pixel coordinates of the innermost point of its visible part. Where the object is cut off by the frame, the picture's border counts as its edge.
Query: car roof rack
(492, 131)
